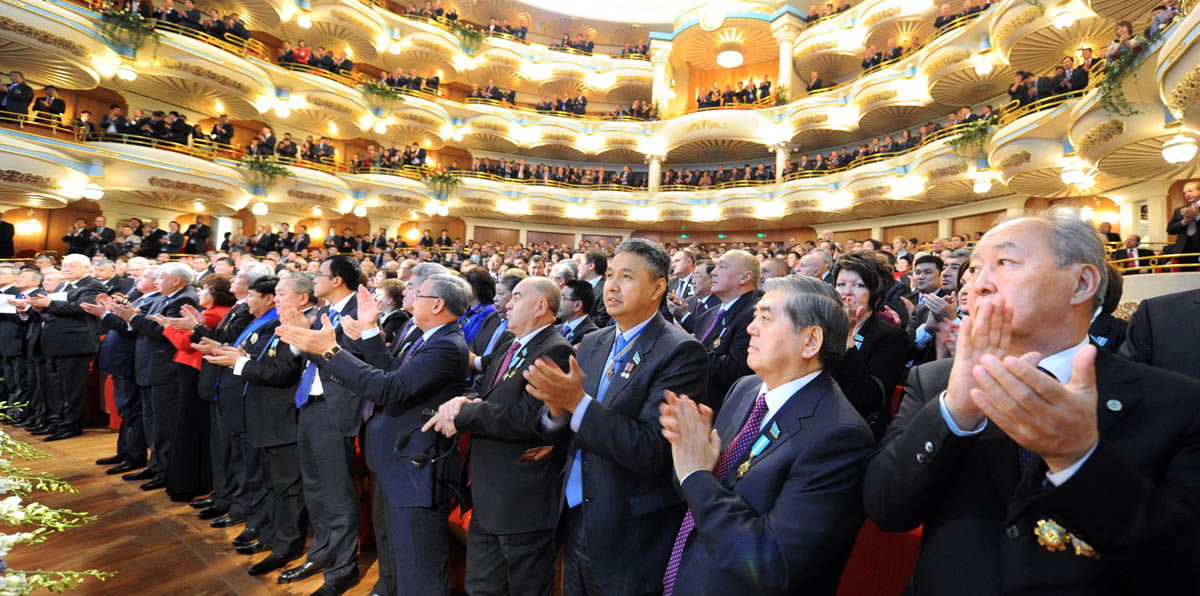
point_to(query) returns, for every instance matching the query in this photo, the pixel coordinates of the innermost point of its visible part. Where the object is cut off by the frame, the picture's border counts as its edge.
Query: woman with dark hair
(483, 293)
(190, 471)
(426, 239)
(878, 348)
(872, 244)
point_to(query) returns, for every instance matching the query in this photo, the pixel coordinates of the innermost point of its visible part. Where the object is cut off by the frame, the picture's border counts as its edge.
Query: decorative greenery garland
(1110, 90)
(470, 38)
(265, 171)
(971, 141)
(781, 95)
(379, 91)
(443, 182)
(126, 28)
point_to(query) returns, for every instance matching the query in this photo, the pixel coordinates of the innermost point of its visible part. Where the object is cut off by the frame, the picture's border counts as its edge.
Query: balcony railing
(345, 77)
(483, 101)
(232, 44)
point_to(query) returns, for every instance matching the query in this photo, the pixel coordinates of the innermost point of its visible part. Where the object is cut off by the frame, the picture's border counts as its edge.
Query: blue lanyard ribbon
(257, 324)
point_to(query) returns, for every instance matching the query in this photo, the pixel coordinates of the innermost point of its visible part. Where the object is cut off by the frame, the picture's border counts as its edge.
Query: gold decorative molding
(744, 210)
(635, 79)
(1016, 159)
(505, 60)
(566, 73)
(189, 187)
(878, 97)
(311, 196)
(543, 208)
(410, 201)
(325, 103)
(947, 60)
(814, 48)
(410, 117)
(615, 213)
(204, 73)
(812, 119)
(556, 136)
(875, 17)
(620, 142)
(44, 37)
(675, 213)
(500, 128)
(28, 179)
(1186, 93)
(874, 191)
(1030, 15)
(705, 125)
(1103, 133)
(476, 202)
(946, 171)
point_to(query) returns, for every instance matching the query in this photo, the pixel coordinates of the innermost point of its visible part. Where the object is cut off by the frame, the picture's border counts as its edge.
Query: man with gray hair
(1085, 481)
(562, 272)
(70, 338)
(429, 371)
(771, 508)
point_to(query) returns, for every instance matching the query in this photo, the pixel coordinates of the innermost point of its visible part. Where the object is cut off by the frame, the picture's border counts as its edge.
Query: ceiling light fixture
(1073, 174)
(729, 48)
(360, 211)
(126, 72)
(93, 191)
(259, 208)
(303, 21)
(983, 68)
(982, 186)
(1179, 149)
(1064, 19)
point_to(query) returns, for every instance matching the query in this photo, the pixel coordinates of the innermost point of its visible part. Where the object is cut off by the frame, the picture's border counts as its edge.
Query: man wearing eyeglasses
(431, 371)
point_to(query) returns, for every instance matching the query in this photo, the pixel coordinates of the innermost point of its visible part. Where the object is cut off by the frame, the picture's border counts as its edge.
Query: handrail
(1157, 262)
(505, 36)
(539, 182)
(347, 78)
(231, 43)
(485, 101)
(758, 104)
(1044, 103)
(39, 121)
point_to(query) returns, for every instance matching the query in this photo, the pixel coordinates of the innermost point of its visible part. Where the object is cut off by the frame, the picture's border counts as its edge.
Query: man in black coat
(1132, 250)
(70, 339)
(78, 239)
(577, 302)
(1162, 333)
(514, 469)
(618, 462)
(595, 263)
(17, 95)
(12, 336)
(722, 328)
(1034, 463)
(7, 232)
(51, 105)
(197, 237)
(300, 240)
(100, 236)
(152, 241)
(1185, 224)
(222, 131)
(1072, 79)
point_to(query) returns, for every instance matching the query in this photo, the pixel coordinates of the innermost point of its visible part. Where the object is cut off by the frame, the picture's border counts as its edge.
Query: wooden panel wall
(502, 236)
(968, 225)
(596, 238)
(554, 238)
(703, 79)
(860, 235)
(784, 236)
(923, 232)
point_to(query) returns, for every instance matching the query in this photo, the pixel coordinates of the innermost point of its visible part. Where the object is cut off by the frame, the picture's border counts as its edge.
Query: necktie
(1025, 457)
(712, 325)
(310, 372)
(500, 329)
(567, 332)
(1191, 229)
(731, 454)
(574, 492)
(1133, 253)
(508, 356)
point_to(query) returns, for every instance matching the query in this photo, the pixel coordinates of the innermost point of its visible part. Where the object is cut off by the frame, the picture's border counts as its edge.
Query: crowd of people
(517, 169)
(321, 58)
(391, 158)
(743, 94)
(433, 10)
(645, 392)
(413, 81)
(831, 8)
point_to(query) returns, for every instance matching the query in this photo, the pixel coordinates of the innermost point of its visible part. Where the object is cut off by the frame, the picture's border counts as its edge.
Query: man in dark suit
(51, 106)
(17, 95)
(12, 337)
(21, 371)
(683, 262)
(100, 236)
(197, 237)
(70, 339)
(618, 463)
(266, 242)
(1162, 333)
(7, 232)
(815, 83)
(595, 263)
(270, 373)
(78, 238)
(775, 501)
(329, 420)
(1133, 251)
(1034, 463)
(1185, 224)
(300, 240)
(1071, 79)
(577, 302)
(154, 365)
(493, 333)
(105, 272)
(722, 328)
(222, 131)
(514, 469)
(431, 370)
(872, 58)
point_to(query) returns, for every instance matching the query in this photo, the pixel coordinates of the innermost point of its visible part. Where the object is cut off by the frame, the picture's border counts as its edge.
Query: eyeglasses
(429, 296)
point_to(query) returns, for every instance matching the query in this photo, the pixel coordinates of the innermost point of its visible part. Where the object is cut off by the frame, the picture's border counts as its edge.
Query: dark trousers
(160, 413)
(327, 469)
(419, 539)
(287, 528)
(38, 412)
(14, 383)
(131, 438)
(509, 564)
(578, 577)
(224, 475)
(251, 496)
(68, 390)
(386, 584)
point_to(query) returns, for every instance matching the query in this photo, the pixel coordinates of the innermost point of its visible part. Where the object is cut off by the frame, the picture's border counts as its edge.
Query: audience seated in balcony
(641, 110)
(87, 128)
(1070, 79)
(413, 81)
(504, 28)
(566, 105)
(1161, 17)
(579, 44)
(815, 83)
(747, 92)
(222, 131)
(494, 93)
(831, 9)
(572, 175)
(433, 10)
(946, 16)
(1089, 63)
(50, 107)
(642, 49)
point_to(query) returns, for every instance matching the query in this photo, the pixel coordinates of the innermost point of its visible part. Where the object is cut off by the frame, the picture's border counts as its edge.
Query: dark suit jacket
(17, 98)
(788, 524)
(197, 241)
(1183, 242)
(119, 284)
(479, 344)
(434, 374)
(1134, 500)
(1163, 331)
(512, 493)
(599, 312)
(1142, 253)
(584, 327)
(345, 404)
(393, 323)
(270, 380)
(696, 307)
(630, 496)
(68, 330)
(116, 350)
(7, 231)
(154, 356)
(727, 346)
(12, 330)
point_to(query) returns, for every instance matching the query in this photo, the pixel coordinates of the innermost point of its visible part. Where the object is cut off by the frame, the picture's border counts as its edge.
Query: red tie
(508, 356)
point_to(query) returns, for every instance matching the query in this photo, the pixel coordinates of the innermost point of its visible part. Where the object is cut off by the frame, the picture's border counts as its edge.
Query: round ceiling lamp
(1179, 149)
(259, 208)
(982, 186)
(729, 48)
(360, 211)
(1073, 174)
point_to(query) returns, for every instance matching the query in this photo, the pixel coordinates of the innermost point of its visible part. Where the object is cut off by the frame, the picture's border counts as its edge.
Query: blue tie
(575, 479)
(567, 332)
(310, 371)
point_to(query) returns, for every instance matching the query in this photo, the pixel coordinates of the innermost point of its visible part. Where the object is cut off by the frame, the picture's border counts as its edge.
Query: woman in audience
(483, 293)
(1123, 43)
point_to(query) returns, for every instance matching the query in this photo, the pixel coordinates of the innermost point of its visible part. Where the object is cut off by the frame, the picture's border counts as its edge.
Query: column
(945, 227)
(785, 29)
(1158, 218)
(660, 55)
(655, 177)
(877, 233)
(522, 236)
(782, 152)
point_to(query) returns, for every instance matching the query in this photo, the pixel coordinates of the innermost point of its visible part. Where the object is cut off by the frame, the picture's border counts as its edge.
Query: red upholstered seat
(881, 563)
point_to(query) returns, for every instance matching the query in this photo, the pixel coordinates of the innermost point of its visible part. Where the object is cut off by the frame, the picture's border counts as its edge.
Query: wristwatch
(328, 355)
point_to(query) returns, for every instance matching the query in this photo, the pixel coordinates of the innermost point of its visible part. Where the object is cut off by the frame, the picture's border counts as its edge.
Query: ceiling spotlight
(282, 110)
(126, 72)
(1179, 149)
(360, 211)
(317, 211)
(1064, 19)
(1073, 174)
(303, 21)
(93, 191)
(443, 210)
(345, 205)
(380, 127)
(730, 59)
(729, 48)
(259, 208)
(457, 137)
(333, 129)
(982, 186)
(983, 68)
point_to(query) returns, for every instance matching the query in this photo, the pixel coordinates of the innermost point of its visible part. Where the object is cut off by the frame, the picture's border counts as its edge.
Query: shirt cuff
(950, 420)
(577, 415)
(369, 333)
(478, 364)
(922, 336)
(1061, 476)
(685, 316)
(689, 475)
(294, 349)
(239, 365)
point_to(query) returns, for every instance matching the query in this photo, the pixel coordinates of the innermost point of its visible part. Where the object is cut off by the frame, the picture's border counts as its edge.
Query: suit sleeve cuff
(239, 365)
(369, 333)
(577, 415)
(1061, 476)
(689, 475)
(954, 427)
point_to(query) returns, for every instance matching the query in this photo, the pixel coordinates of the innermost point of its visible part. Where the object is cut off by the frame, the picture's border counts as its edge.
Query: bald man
(722, 328)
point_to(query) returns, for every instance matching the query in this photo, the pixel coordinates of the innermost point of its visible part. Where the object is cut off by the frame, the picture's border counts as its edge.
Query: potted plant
(126, 28)
(441, 181)
(264, 172)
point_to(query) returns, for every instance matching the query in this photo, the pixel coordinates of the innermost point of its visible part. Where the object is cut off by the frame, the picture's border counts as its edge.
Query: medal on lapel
(758, 447)
(253, 338)
(716, 343)
(628, 368)
(1054, 538)
(271, 350)
(858, 339)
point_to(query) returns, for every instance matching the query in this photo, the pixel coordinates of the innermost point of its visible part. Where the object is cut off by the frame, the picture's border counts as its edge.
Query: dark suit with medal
(1124, 523)
(726, 339)
(618, 538)
(514, 472)
(269, 381)
(70, 338)
(785, 515)
(425, 376)
(488, 332)
(226, 460)
(697, 306)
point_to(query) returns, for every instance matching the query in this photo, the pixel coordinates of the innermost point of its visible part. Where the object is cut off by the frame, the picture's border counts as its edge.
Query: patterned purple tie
(712, 325)
(731, 454)
(508, 356)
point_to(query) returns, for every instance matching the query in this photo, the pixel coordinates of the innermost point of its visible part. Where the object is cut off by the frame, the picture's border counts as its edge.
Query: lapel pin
(1114, 405)
(253, 338)
(1051, 535)
(716, 343)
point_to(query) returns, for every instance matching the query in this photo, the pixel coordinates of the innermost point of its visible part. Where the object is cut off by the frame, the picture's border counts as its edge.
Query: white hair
(78, 259)
(177, 269)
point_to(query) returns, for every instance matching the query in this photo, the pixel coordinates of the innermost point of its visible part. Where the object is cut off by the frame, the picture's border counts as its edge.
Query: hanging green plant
(265, 171)
(971, 141)
(442, 182)
(379, 91)
(1110, 90)
(470, 38)
(126, 28)
(781, 95)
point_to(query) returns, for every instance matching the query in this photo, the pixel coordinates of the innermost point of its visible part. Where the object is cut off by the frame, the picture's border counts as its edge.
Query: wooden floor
(154, 545)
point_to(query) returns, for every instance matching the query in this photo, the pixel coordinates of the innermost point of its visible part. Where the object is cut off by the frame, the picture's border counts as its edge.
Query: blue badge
(759, 445)
(637, 357)
(774, 430)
